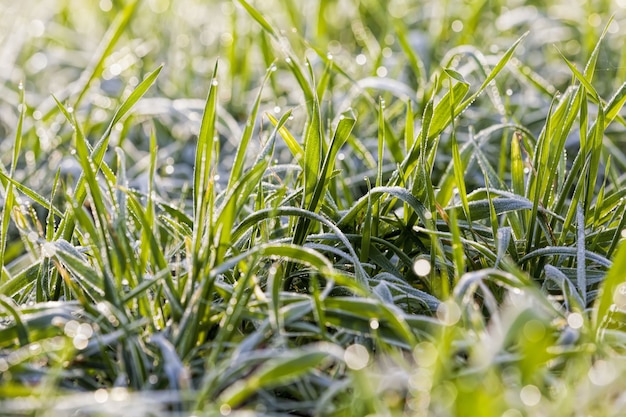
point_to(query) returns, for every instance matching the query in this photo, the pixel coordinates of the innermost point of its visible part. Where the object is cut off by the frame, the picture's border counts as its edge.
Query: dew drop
(602, 373)
(575, 320)
(48, 249)
(32, 237)
(422, 267)
(356, 356)
(530, 395)
(457, 26)
(449, 313)
(101, 395)
(225, 409)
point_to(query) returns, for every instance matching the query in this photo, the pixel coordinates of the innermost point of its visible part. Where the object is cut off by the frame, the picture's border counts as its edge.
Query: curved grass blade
(273, 373)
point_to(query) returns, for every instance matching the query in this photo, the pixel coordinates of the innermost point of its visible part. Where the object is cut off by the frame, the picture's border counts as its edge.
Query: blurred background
(387, 49)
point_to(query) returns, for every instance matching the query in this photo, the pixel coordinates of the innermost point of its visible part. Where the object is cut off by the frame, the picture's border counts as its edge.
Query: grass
(358, 209)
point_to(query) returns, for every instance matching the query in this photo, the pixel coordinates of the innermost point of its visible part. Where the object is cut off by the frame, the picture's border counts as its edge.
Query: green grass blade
(9, 196)
(247, 134)
(259, 18)
(21, 328)
(611, 295)
(312, 156)
(275, 372)
(202, 180)
(580, 254)
(132, 99)
(105, 48)
(296, 149)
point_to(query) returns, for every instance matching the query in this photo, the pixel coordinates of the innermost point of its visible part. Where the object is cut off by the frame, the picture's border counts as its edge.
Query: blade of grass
(9, 197)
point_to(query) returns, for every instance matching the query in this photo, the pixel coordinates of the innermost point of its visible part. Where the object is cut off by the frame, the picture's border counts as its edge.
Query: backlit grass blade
(82, 271)
(22, 280)
(441, 115)
(312, 156)
(9, 196)
(247, 134)
(458, 254)
(537, 183)
(290, 60)
(202, 178)
(581, 266)
(566, 251)
(496, 70)
(617, 235)
(109, 40)
(366, 228)
(443, 111)
(419, 145)
(594, 143)
(573, 299)
(381, 142)
(615, 105)
(66, 228)
(157, 255)
(459, 169)
(204, 148)
(582, 79)
(415, 62)
(99, 210)
(377, 192)
(374, 209)
(229, 321)
(409, 129)
(290, 141)
(228, 212)
(389, 315)
(590, 67)
(30, 193)
(264, 214)
(517, 165)
(318, 184)
(259, 18)
(9, 306)
(611, 295)
(132, 99)
(273, 373)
